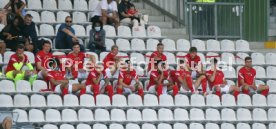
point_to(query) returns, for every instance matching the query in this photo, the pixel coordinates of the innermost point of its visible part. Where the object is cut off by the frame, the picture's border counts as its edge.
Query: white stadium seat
(119, 100)
(46, 30)
(227, 45)
(109, 30)
(165, 114)
(50, 126)
(34, 4)
(134, 115)
(227, 126)
(164, 126)
(3, 3)
(6, 100)
(149, 115)
(66, 126)
(229, 72)
(7, 86)
(181, 100)
(169, 44)
(87, 100)
(258, 126)
(240, 58)
(108, 44)
(52, 115)
(21, 115)
(259, 100)
(70, 100)
(260, 72)
(102, 115)
(132, 126)
(228, 114)
(116, 126)
(271, 71)
(197, 114)
(39, 85)
(48, 17)
(139, 31)
(154, 31)
(54, 100)
(152, 44)
(2, 27)
(38, 101)
(61, 15)
(211, 55)
(272, 126)
(258, 58)
(124, 31)
(243, 114)
(123, 44)
(36, 115)
(180, 126)
(138, 45)
(80, 5)
(270, 58)
(35, 15)
(199, 44)
(99, 126)
(137, 58)
(88, 29)
(65, 5)
(79, 17)
(270, 83)
(181, 114)
(92, 4)
(211, 126)
(117, 115)
(69, 115)
(79, 30)
(83, 126)
(150, 100)
(213, 45)
(85, 115)
(21, 100)
(23, 86)
(228, 100)
(228, 58)
(170, 57)
(259, 114)
(50, 4)
(242, 45)
(134, 100)
(196, 126)
(7, 56)
(166, 100)
(271, 100)
(271, 114)
(243, 126)
(212, 100)
(183, 45)
(197, 100)
(244, 100)
(102, 100)
(148, 126)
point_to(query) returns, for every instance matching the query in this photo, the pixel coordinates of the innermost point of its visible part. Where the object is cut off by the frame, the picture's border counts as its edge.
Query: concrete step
(272, 32)
(272, 19)
(138, 5)
(272, 25)
(179, 31)
(149, 12)
(176, 37)
(162, 24)
(265, 50)
(156, 18)
(256, 45)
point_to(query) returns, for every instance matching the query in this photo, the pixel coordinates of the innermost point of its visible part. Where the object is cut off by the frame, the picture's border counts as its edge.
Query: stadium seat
(137, 45)
(109, 30)
(183, 45)
(229, 72)
(124, 31)
(228, 58)
(34, 4)
(39, 85)
(23, 86)
(197, 100)
(102, 100)
(139, 31)
(92, 4)
(85, 115)
(21, 115)
(35, 15)
(154, 31)
(102, 115)
(181, 100)
(169, 44)
(170, 57)
(211, 126)
(271, 100)
(119, 100)
(240, 58)
(48, 17)
(137, 58)
(260, 72)
(150, 100)
(227, 45)
(181, 114)
(65, 5)
(38, 101)
(79, 17)
(149, 115)
(80, 5)
(69, 115)
(272, 126)
(134, 100)
(258, 126)
(166, 100)
(179, 126)
(3, 3)
(228, 114)
(164, 126)
(271, 114)
(46, 30)
(243, 114)
(212, 100)
(180, 55)
(83, 126)
(54, 100)
(88, 29)
(213, 45)
(152, 44)
(7, 56)
(211, 55)
(50, 126)
(259, 82)
(258, 58)
(66, 126)
(49, 4)
(6, 100)
(30, 56)
(123, 44)
(244, 100)
(197, 114)
(61, 15)
(87, 100)
(270, 58)
(259, 100)
(52, 115)
(79, 30)
(227, 126)
(116, 126)
(7, 86)
(228, 100)
(148, 126)
(199, 44)
(243, 126)
(132, 126)
(21, 100)
(108, 44)
(196, 126)
(272, 85)
(134, 115)
(36, 115)
(271, 72)
(242, 45)
(259, 114)
(117, 115)
(70, 100)
(165, 114)
(99, 126)
(102, 55)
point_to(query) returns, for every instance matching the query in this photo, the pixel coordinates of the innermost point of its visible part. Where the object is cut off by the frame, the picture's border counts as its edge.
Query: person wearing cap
(29, 30)
(2, 47)
(125, 79)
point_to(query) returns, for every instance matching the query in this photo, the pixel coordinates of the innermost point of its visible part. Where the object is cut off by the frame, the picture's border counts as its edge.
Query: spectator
(106, 11)
(42, 59)
(128, 14)
(97, 38)
(12, 33)
(2, 47)
(6, 123)
(30, 31)
(111, 57)
(17, 61)
(66, 35)
(17, 7)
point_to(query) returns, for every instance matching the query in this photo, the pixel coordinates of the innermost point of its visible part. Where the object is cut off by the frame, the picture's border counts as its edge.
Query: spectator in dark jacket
(97, 37)
(29, 30)
(126, 17)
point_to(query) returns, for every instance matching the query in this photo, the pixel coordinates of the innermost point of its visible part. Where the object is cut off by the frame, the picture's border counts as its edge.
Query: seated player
(41, 59)
(93, 82)
(246, 79)
(157, 77)
(111, 56)
(195, 67)
(217, 82)
(58, 82)
(17, 61)
(182, 78)
(113, 71)
(157, 55)
(125, 78)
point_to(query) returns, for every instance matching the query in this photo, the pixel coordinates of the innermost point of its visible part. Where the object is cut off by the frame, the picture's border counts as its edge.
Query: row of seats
(150, 115)
(133, 100)
(165, 126)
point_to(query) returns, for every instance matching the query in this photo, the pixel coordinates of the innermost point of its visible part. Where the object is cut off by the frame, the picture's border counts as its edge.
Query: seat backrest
(244, 100)
(123, 44)
(46, 30)
(48, 17)
(166, 100)
(69, 115)
(21, 115)
(134, 100)
(154, 31)
(7, 56)
(271, 71)
(132, 126)
(148, 126)
(139, 31)
(6, 100)
(259, 114)
(36, 115)
(102, 115)
(87, 100)
(79, 17)
(211, 126)
(50, 126)
(227, 126)
(116, 126)
(197, 114)
(99, 126)
(54, 100)
(181, 100)
(196, 126)
(180, 126)
(79, 30)
(197, 100)
(259, 100)
(271, 114)
(21, 100)
(228, 100)
(242, 45)
(66, 126)
(61, 15)
(7, 86)
(258, 126)
(228, 114)
(164, 126)
(93, 4)
(85, 115)
(165, 114)
(272, 85)
(243, 126)
(80, 5)
(38, 101)
(102, 100)
(212, 100)
(260, 72)
(258, 58)
(39, 85)
(181, 114)
(117, 115)
(149, 115)
(83, 126)
(52, 115)
(65, 5)
(50, 4)
(227, 45)
(119, 100)
(150, 100)
(169, 44)
(199, 44)
(213, 45)
(124, 31)
(228, 58)
(212, 114)
(35, 15)
(109, 30)
(138, 44)
(183, 45)
(270, 58)
(152, 44)
(34, 4)
(243, 114)
(134, 115)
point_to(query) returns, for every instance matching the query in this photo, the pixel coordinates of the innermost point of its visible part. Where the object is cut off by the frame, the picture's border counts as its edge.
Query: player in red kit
(195, 67)
(246, 79)
(157, 77)
(182, 77)
(111, 56)
(217, 82)
(42, 58)
(125, 78)
(157, 55)
(58, 81)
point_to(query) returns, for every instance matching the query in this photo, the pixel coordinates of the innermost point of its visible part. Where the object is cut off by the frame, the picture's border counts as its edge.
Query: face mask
(97, 28)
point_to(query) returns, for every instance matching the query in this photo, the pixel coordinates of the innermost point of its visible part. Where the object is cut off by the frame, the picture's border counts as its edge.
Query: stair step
(156, 18)
(272, 19)
(272, 32)
(174, 31)
(138, 5)
(272, 25)
(176, 37)
(162, 24)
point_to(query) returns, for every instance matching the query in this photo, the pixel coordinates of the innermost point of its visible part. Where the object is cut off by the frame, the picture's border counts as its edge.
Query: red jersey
(219, 78)
(131, 11)
(93, 75)
(110, 57)
(57, 75)
(76, 60)
(192, 62)
(156, 74)
(15, 59)
(127, 76)
(179, 73)
(247, 75)
(156, 55)
(43, 57)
